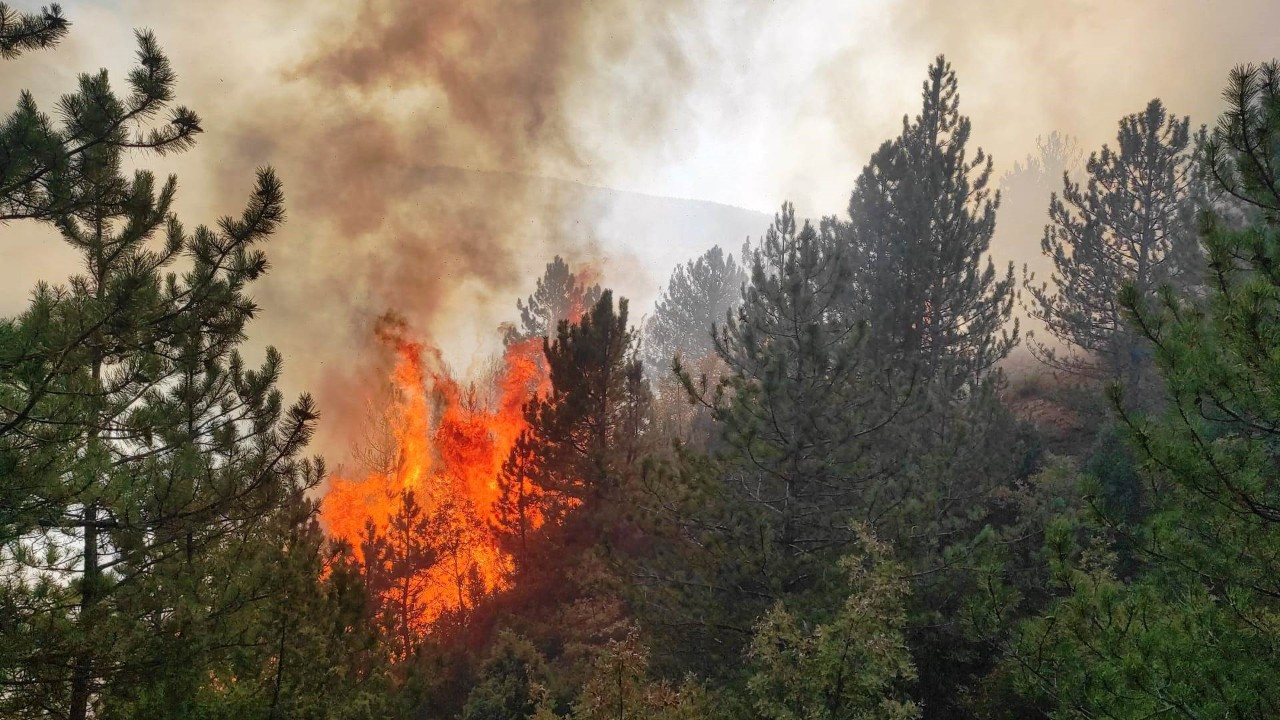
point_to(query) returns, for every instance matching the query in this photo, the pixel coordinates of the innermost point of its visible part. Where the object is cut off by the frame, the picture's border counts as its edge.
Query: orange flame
(450, 443)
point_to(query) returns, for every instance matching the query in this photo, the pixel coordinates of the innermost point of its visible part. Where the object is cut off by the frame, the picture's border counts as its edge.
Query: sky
(366, 108)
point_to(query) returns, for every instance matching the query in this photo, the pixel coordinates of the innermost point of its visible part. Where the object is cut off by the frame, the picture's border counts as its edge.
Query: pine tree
(862, 388)
(52, 174)
(560, 295)
(585, 435)
(512, 680)
(697, 300)
(1056, 155)
(797, 400)
(1195, 634)
(567, 495)
(396, 562)
(517, 512)
(20, 32)
(148, 472)
(1134, 222)
(698, 297)
(42, 165)
(1025, 191)
(921, 221)
(309, 649)
(801, 410)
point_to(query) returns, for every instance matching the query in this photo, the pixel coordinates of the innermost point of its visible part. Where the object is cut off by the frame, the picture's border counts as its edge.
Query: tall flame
(448, 445)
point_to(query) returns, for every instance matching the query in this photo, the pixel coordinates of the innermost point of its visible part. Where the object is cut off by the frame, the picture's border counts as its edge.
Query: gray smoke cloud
(435, 154)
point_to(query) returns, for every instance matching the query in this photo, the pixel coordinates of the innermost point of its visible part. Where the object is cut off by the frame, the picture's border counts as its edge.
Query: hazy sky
(358, 104)
(745, 102)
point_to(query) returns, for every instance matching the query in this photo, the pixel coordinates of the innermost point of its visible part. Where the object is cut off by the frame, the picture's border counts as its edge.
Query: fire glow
(448, 443)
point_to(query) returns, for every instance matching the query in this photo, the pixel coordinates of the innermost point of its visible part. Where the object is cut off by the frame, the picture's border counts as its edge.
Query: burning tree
(396, 558)
(430, 518)
(560, 295)
(581, 435)
(421, 523)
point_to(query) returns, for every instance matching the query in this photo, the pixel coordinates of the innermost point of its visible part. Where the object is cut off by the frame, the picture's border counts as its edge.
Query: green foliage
(861, 388)
(317, 652)
(157, 549)
(1159, 646)
(619, 687)
(921, 219)
(511, 684)
(1195, 635)
(49, 171)
(566, 504)
(396, 559)
(801, 404)
(794, 409)
(854, 664)
(584, 436)
(1113, 469)
(20, 32)
(698, 299)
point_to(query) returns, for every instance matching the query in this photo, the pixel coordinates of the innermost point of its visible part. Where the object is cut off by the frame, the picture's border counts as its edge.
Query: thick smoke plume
(416, 139)
(413, 137)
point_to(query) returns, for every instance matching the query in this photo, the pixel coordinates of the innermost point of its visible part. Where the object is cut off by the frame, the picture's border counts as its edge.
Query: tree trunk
(82, 675)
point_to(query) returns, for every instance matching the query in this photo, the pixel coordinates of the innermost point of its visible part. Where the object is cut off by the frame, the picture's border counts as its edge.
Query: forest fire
(432, 490)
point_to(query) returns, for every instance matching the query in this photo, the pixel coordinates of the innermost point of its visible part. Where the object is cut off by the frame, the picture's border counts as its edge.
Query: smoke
(1027, 71)
(1078, 66)
(418, 143)
(413, 138)
(437, 154)
(498, 69)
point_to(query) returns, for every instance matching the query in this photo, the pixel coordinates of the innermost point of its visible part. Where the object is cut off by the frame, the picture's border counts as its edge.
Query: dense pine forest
(851, 468)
